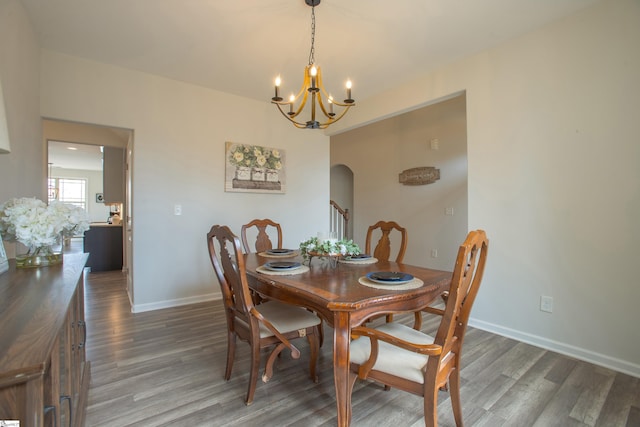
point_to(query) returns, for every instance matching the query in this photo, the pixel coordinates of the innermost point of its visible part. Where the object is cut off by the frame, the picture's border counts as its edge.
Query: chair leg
(268, 368)
(313, 357)
(431, 408)
(231, 353)
(454, 392)
(253, 375)
(321, 333)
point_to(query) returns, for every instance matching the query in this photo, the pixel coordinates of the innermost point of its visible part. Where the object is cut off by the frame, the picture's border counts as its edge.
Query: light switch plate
(546, 304)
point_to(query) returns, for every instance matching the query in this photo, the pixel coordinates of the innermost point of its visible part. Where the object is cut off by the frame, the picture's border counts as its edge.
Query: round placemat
(268, 255)
(413, 284)
(364, 261)
(299, 270)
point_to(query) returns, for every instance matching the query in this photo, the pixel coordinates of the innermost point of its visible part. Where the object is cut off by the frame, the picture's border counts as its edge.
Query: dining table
(341, 294)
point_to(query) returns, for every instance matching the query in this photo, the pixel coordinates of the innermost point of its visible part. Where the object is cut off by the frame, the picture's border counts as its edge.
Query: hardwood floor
(166, 368)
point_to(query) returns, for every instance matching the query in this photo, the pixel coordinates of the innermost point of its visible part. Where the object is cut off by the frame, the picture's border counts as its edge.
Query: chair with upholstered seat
(382, 250)
(263, 242)
(271, 324)
(399, 356)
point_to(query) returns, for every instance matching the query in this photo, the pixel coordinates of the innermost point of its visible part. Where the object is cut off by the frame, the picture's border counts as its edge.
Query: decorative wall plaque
(419, 176)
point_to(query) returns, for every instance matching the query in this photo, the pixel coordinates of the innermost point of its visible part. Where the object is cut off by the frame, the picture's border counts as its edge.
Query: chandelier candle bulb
(314, 73)
(291, 99)
(348, 100)
(277, 97)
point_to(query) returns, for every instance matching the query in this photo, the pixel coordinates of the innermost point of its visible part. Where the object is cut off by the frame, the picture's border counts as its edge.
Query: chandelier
(322, 104)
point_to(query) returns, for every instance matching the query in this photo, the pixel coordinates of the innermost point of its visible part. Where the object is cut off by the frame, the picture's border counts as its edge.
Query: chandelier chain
(312, 58)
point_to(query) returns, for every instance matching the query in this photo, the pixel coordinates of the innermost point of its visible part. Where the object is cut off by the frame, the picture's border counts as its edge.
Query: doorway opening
(100, 156)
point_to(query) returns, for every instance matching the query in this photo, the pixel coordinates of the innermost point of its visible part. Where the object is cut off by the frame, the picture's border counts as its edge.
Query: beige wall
(179, 141)
(554, 178)
(22, 171)
(84, 133)
(377, 153)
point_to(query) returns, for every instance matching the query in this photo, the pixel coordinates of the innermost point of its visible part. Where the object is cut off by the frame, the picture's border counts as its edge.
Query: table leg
(341, 342)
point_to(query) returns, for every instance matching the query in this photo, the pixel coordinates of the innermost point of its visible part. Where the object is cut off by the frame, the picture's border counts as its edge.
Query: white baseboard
(619, 365)
(139, 308)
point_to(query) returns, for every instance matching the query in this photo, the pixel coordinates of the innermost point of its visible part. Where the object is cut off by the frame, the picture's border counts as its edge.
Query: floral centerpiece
(328, 247)
(38, 226)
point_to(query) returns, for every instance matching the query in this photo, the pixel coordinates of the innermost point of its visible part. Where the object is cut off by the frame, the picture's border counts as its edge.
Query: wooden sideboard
(44, 376)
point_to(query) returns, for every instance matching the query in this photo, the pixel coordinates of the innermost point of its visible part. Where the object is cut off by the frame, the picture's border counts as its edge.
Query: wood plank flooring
(166, 368)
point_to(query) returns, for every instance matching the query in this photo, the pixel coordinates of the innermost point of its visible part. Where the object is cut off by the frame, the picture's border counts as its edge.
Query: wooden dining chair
(271, 324)
(263, 242)
(382, 250)
(399, 356)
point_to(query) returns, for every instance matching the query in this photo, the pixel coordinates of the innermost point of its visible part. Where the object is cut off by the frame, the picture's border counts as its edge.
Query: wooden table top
(328, 289)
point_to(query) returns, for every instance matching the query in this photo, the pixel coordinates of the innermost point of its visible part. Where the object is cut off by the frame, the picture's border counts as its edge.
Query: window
(69, 190)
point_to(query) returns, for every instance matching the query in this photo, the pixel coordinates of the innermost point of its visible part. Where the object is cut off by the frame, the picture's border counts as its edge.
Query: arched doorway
(341, 190)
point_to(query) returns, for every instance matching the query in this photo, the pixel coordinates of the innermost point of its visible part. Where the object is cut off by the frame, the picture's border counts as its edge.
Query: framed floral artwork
(254, 169)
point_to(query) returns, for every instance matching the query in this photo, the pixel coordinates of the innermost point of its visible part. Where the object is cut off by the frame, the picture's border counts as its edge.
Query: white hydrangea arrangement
(34, 224)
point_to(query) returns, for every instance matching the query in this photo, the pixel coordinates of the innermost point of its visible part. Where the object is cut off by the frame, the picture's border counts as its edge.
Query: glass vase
(43, 256)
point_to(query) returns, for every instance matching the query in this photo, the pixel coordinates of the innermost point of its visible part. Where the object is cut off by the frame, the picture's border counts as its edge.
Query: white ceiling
(241, 46)
(68, 155)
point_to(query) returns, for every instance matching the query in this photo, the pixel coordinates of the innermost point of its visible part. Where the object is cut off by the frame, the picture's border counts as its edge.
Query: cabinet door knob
(68, 399)
(83, 324)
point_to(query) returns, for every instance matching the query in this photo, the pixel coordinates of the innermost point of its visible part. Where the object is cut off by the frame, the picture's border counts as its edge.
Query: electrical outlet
(434, 253)
(177, 209)
(435, 144)
(546, 304)
(448, 211)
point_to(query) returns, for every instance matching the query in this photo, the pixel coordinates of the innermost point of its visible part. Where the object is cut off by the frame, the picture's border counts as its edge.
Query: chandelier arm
(341, 115)
(342, 104)
(302, 103)
(333, 101)
(286, 115)
(304, 93)
(322, 92)
(334, 119)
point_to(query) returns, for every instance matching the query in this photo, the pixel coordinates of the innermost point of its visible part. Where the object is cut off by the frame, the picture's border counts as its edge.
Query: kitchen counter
(103, 242)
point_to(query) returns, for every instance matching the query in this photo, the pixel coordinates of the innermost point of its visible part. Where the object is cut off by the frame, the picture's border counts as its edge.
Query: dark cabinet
(113, 174)
(104, 244)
